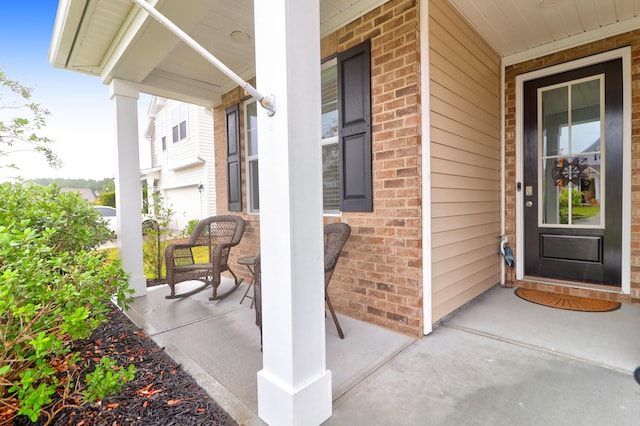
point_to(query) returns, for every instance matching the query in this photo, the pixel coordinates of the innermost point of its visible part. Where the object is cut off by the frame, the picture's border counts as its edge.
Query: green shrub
(54, 288)
(107, 198)
(191, 225)
(106, 378)
(563, 201)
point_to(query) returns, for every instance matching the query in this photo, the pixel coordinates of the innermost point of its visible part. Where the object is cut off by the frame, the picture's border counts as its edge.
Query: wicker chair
(335, 237)
(218, 234)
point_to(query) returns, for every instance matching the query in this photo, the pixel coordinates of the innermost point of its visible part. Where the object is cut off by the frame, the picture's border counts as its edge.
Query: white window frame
(179, 123)
(332, 140)
(250, 159)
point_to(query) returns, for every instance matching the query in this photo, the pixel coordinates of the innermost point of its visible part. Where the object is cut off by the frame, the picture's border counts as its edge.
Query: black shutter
(354, 98)
(234, 176)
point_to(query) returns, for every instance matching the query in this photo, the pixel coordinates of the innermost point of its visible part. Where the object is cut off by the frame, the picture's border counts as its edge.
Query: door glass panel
(571, 144)
(555, 115)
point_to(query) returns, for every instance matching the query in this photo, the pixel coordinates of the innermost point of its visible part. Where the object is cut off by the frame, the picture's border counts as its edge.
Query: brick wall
(628, 39)
(379, 277)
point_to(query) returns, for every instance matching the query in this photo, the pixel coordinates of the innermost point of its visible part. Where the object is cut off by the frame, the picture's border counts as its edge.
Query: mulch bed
(161, 394)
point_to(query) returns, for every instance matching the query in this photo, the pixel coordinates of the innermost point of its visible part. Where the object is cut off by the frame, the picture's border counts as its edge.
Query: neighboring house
(85, 193)
(182, 164)
(449, 123)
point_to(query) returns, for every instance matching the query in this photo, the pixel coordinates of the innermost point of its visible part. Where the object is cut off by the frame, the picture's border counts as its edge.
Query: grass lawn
(586, 211)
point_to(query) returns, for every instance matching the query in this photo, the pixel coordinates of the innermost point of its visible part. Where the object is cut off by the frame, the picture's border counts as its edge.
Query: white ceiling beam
(173, 86)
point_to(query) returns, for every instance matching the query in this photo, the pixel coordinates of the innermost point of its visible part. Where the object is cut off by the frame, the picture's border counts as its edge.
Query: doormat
(565, 301)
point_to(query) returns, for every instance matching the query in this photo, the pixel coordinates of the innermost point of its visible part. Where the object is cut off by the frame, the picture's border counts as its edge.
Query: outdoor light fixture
(240, 36)
(267, 102)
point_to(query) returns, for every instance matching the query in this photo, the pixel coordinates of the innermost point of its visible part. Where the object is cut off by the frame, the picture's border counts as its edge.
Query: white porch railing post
(294, 386)
(128, 188)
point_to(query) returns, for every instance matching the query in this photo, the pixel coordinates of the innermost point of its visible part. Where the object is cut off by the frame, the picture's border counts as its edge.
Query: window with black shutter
(234, 176)
(354, 111)
(346, 135)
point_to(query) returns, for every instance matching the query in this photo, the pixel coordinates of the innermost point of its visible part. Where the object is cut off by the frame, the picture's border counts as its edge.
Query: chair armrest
(219, 256)
(177, 255)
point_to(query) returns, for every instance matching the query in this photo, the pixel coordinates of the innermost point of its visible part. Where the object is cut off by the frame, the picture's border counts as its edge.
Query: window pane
(252, 128)
(329, 78)
(330, 155)
(330, 178)
(555, 116)
(175, 134)
(254, 186)
(183, 130)
(571, 148)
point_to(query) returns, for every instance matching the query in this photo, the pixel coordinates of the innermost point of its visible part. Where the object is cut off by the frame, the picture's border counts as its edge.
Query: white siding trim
(426, 167)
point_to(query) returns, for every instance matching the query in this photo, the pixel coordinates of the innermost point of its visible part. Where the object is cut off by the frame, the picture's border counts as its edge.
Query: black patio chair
(335, 237)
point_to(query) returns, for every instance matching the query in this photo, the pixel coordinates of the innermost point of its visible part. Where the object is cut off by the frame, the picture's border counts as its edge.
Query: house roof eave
(68, 19)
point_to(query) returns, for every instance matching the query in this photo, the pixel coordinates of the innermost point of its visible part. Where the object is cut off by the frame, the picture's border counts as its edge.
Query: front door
(573, 175)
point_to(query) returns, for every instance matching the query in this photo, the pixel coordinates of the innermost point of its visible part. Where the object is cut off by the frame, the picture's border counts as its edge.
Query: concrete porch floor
(497, 361)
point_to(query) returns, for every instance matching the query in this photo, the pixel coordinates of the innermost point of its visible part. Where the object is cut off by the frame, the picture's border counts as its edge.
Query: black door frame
(625, 55)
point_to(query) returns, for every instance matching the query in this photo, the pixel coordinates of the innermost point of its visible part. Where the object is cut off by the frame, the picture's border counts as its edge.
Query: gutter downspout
(502, 167)
(267, 102)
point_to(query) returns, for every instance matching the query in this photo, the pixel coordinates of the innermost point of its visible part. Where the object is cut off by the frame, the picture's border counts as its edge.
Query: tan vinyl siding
(465, 161)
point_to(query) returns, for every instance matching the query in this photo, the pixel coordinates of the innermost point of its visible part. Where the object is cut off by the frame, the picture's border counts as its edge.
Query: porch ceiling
(518, 29)
(116, 39)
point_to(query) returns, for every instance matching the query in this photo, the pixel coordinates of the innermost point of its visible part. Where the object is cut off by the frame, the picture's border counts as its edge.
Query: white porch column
(128, 188)
(294, 386)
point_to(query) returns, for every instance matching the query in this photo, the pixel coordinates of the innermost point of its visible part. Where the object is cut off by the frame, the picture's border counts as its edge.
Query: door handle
(529, 203)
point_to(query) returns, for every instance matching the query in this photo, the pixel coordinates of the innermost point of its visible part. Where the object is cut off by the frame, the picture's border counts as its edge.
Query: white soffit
(524, 29)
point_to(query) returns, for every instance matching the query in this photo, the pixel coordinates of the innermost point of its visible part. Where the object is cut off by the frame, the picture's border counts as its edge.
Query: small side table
(249, 262)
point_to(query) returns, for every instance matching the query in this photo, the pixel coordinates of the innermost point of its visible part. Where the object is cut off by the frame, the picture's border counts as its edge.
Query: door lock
(529, 203)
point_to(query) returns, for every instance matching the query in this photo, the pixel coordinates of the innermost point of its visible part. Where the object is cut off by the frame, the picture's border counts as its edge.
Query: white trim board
(427, 313)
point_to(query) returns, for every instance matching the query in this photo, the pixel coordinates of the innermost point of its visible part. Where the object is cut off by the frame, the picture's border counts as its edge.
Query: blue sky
(82, 115)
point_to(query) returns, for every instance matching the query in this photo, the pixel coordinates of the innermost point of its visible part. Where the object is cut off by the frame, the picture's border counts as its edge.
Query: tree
(107, 194)
(20, 134)
(157, 233)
